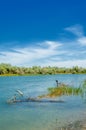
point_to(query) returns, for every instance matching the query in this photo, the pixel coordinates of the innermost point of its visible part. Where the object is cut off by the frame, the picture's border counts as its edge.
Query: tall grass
(64, 89)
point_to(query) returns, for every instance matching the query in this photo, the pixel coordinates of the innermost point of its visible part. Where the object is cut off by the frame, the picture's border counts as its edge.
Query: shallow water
(40, 116)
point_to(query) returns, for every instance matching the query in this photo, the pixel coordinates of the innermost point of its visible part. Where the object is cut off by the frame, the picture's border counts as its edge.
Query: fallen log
(35, 100)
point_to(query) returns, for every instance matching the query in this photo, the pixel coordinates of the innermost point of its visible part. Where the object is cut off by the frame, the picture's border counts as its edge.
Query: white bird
(19, 92)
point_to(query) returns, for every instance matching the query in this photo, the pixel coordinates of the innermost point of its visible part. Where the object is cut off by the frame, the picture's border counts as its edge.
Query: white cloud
(28, 54)
(49, 53)
(76, 29)
(82, 40)
(67, 63)
(53, 44)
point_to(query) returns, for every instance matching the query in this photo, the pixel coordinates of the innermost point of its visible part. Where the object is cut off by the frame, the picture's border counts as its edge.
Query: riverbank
(3, 75)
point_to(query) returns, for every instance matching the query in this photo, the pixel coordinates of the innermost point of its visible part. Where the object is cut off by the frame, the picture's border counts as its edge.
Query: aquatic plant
(64, 89)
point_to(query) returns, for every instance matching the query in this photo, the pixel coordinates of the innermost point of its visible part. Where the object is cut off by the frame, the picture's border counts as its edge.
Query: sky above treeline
(43, 32)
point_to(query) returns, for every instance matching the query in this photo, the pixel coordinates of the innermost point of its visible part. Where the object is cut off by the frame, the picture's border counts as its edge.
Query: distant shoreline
(3, 75)
(9, 70)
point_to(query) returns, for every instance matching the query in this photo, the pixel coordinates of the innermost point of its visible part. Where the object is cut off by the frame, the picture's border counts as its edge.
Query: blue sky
(43, 32)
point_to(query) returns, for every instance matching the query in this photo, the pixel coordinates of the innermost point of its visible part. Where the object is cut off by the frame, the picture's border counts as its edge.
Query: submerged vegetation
(7, 69)
(64, 89)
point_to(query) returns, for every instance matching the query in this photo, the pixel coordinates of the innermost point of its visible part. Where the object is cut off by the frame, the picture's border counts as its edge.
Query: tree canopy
(8, 69)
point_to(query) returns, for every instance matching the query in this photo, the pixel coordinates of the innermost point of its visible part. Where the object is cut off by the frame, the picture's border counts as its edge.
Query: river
(40, 116)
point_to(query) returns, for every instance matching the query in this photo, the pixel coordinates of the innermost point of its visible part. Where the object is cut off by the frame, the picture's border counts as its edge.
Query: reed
(66, 90)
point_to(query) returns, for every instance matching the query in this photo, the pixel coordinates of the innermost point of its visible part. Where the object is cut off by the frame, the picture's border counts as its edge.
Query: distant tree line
(7, 69)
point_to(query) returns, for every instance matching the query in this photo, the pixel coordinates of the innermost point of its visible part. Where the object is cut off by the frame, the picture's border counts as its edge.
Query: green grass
(66, 90)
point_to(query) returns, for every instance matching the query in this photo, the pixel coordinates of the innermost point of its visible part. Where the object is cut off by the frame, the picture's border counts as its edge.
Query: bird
(19, 92)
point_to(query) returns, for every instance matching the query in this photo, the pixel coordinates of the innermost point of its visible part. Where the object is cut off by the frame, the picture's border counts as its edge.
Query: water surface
(39, 116)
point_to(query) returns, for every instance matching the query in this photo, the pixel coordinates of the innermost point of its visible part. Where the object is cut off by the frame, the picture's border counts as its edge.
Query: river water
(40, 116)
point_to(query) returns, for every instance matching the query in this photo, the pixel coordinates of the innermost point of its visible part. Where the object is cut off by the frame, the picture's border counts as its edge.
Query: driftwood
(35, 100)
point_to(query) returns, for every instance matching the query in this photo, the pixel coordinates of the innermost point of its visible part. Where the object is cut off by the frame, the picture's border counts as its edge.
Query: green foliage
(64, 89)
(7, 69)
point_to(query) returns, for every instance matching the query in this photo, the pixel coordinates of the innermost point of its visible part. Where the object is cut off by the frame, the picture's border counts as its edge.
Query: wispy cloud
(27, 55)
(82, 40)
(79, 32)
(68, 63)
(75, 29)
(49, 53)
(2, 54)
